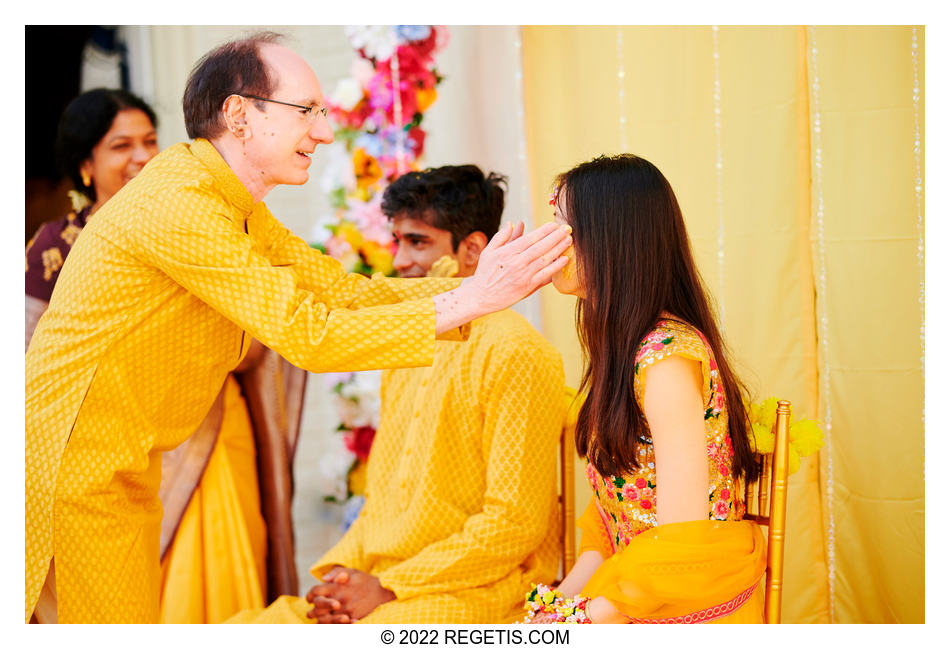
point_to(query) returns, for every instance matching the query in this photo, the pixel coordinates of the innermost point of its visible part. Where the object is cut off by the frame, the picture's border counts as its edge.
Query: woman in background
(663, 425)
(214, 539)
(105, 138)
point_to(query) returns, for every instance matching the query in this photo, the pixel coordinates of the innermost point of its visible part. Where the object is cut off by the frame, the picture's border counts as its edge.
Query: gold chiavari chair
(766, 501)
(566, 498)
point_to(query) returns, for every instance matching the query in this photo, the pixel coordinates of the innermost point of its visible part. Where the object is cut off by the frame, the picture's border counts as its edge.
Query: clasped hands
(346, 595)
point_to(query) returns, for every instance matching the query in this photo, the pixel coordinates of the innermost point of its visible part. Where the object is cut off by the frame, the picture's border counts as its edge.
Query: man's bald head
(248, 66)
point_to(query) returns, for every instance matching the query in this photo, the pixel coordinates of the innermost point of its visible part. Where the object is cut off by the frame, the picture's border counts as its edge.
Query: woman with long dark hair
(662, 426)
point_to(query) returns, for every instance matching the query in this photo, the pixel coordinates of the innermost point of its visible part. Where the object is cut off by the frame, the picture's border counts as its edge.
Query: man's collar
(234, 190)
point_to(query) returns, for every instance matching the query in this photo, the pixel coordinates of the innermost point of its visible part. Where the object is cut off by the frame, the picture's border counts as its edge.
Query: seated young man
(461, 513)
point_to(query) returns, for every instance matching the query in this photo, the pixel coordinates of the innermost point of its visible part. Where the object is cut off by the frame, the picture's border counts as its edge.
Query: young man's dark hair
(234, 68)
(460, 199)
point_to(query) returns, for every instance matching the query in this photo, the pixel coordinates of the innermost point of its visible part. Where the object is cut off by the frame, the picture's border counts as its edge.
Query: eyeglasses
(309, 112)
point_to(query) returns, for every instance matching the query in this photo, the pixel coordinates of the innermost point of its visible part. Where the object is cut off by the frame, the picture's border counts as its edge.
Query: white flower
(346, 94)
(330, 379)
(358, 401)
(338, 169)
(319, 233)
(377, 41)
(334, 467)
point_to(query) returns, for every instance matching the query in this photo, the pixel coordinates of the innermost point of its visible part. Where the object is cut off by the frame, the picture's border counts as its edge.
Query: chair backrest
(766, 501)
(566, 498)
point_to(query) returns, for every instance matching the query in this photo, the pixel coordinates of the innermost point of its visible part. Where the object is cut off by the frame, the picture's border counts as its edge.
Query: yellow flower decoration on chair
(804, 436)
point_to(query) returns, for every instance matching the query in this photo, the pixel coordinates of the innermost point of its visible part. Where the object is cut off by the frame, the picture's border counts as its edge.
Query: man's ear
(235, 116)
(471, 248)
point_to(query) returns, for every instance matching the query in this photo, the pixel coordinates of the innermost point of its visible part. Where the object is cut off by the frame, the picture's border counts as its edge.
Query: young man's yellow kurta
(157, 301)
(461, 511)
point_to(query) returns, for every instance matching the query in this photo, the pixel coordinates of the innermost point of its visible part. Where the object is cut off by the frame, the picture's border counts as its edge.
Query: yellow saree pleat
(215, 566)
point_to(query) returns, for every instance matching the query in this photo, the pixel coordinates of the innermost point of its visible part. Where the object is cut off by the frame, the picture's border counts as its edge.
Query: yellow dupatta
(697, 571)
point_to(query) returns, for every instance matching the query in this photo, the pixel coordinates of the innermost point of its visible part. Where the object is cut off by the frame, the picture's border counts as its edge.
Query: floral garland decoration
(377, 137)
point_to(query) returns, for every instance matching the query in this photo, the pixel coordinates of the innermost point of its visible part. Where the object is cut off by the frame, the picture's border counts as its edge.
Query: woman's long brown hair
(634, 260)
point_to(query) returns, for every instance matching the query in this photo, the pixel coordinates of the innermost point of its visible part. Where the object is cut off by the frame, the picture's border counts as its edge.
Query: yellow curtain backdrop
(753, 222)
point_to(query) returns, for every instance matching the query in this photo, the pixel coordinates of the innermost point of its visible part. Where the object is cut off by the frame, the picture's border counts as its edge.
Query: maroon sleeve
(45, 254)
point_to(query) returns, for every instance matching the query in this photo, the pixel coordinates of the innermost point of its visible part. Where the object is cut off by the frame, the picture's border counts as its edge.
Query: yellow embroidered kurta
(156, 303)
(461, 505)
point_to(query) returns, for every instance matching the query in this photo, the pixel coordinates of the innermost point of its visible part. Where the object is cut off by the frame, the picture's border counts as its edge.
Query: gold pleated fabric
(215, 567)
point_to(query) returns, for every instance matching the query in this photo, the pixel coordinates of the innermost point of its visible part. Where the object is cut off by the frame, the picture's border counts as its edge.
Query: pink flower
(338, 247)
(624, 532)
(646, 504)
(611, 495)
(721, 510)
(630, 493)
(727, 442)
(725, 494)
(441, 38)
(712, 450)
(657, 347)
(592, 476)
(381, 95)
(370, 220)
(646, 493)
(720, 401)
(723, 469)
(641, 483)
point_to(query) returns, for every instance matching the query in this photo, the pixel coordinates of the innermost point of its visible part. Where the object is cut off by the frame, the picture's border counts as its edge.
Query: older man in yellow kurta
(460, 516)
(160, 298)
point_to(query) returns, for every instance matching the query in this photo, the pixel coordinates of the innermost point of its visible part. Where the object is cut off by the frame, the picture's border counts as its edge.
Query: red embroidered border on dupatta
(705, 615)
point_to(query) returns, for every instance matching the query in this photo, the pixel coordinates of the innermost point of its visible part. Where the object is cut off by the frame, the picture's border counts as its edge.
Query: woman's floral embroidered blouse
(628, 502)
